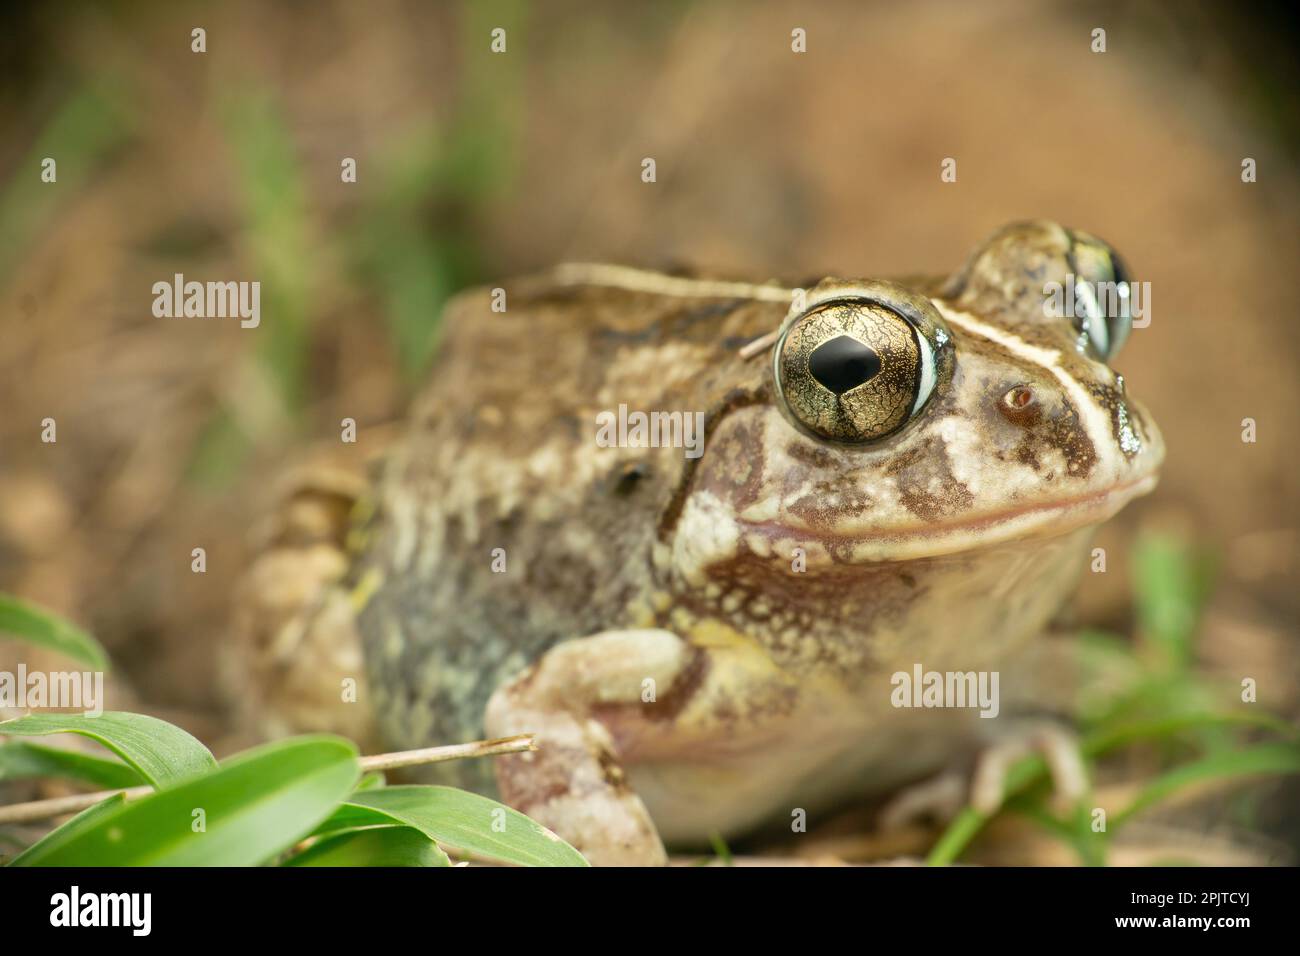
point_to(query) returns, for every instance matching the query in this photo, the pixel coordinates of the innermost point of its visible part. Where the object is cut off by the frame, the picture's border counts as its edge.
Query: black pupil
(843, 363)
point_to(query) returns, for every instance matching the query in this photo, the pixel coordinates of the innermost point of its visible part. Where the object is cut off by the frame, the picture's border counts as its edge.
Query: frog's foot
(942, 796)
(574, 783)
(939, 798)
(1056, 744)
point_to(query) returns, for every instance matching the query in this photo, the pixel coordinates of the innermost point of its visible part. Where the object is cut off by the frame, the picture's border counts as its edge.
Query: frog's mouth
(970, 533)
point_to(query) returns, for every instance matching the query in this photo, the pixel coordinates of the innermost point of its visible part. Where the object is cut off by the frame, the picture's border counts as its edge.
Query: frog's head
(914, 421)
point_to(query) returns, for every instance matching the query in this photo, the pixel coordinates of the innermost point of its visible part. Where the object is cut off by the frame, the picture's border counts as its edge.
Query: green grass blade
(275, 209)
(1261, 759)
(1171, 587)
(1131, 732)
(1033, 769)
(380, 846)
(163, 753)
(56, 839)
(81, 135)
(255, 806)
(466, 821)
(963, 828)
(721, 852)
(350, 816)
(22, 761)
(36, 626)
(1075, 831)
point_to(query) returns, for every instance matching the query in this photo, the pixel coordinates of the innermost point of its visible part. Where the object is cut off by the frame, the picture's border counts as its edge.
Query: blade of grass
(380, 846)
(1262, 759)
(471, 822)
(20, 760)
(1076, 832)
(34, 625)
(254, 806)
(1170, 587)
(275, 209)
(162, 753)
(58, 838)
(1033, 769)
(84, 129)
(519, 743)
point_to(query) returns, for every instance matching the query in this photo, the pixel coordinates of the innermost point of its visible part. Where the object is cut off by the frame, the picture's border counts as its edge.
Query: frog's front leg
(574, 783)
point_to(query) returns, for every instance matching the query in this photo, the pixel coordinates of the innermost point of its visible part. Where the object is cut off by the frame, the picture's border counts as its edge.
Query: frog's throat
(976, 533)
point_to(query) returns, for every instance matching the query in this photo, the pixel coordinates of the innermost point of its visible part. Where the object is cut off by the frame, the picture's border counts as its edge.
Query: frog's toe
(1057, 745)
(575, 783)
(938, 798)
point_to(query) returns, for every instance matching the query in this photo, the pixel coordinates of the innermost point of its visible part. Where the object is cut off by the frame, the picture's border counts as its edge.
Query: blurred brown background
(473, 165)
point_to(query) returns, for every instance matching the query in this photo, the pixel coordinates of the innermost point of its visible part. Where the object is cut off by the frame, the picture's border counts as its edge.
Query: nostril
(1020, 405)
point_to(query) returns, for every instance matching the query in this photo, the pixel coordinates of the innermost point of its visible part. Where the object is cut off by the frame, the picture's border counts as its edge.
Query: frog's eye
(860, 362)
(1103, 313)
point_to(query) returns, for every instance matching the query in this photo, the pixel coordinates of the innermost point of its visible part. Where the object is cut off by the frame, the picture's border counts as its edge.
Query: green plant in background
(411, 246)
(282, 256)
(276, 235)
(81, 133)
(296, 802)
(1161, 703)
(416, 238)
(38, 627)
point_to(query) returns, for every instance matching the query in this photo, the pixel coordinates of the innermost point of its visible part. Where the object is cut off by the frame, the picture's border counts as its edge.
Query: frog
(892, 477)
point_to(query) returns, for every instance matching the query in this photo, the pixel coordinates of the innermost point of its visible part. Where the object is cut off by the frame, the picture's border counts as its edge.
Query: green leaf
(56, 839)
(721, 852)
(1076, 831)
(1033, 769)
(256, 805)
(1172, 583)
(464, 820)
(36, 626)
(350, 816)
(960, 831)
(22, 761)
(81, 132)
(378, 846)
(1124, 734)
(1269, 758)
(162, 752)
(221, 451)
(276, 232)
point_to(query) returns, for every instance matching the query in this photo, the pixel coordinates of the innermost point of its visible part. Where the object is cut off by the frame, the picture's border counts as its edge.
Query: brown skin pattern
(509, 384)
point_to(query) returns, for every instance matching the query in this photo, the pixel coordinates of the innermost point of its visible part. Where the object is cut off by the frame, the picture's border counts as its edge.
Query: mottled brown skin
(577, 545)
(950, 543)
